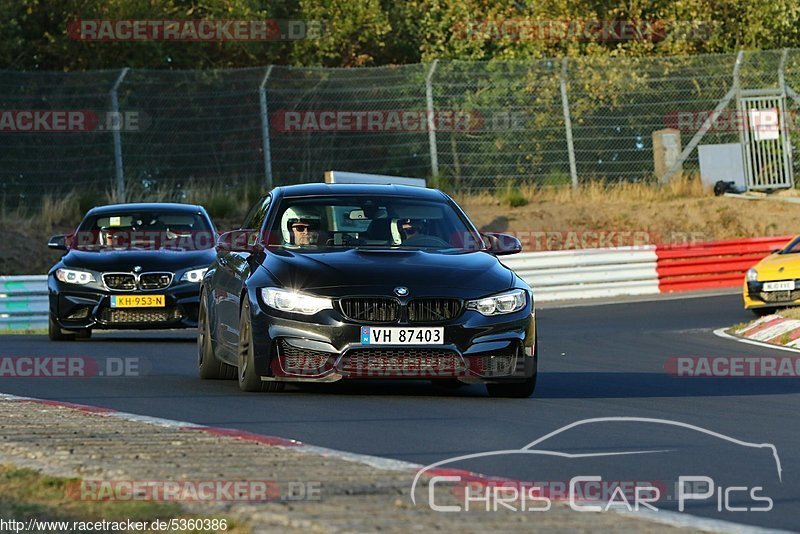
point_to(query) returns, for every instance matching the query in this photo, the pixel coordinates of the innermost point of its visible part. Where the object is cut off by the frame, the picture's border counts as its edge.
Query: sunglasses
(302, 228)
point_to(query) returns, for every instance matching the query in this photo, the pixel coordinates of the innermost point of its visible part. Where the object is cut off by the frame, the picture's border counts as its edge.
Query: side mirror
(58, 242)
(238, 241)
(501, 244)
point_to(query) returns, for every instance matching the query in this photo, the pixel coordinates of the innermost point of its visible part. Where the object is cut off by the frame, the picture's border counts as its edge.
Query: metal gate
(766, 147)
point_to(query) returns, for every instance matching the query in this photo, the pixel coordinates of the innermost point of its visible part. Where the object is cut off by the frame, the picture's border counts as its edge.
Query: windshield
(372, 222)
(144, 230)
(792, 248)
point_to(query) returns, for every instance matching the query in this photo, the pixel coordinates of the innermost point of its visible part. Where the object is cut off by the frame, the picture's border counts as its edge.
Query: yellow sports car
(774, 281)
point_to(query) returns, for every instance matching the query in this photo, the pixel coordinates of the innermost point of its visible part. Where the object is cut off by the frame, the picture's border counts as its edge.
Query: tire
(761, 312)
(513, 390)
(248, 379)
(83, 333)
(54, 331)
(208, 365)
(448, 384)
(517, 390)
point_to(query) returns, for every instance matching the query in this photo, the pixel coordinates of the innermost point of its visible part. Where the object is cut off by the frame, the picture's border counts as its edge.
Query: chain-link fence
(467, 126)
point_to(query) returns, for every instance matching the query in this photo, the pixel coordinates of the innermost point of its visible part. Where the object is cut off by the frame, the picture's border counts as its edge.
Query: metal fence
(467, 125)
(23, 302)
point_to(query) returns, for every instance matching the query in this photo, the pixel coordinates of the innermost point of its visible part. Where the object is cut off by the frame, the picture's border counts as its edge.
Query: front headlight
(290, 301)
(72, 276)
(752, 275)
(195, 275)
(501, 304)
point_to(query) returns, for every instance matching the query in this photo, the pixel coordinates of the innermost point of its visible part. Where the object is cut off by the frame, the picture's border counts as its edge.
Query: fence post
(710, 119)
(790, 92)
(262, 97)
(573, 168)
(120, 173)
(431, 122)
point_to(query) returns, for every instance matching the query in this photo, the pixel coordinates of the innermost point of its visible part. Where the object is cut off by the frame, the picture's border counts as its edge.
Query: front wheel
(514, 390)
(763, 312)
(518, 390)
(83, 333)
(208, 365)
(248, 378)
(55, 333)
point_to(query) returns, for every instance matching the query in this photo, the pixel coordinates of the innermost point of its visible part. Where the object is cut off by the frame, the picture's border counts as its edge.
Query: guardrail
(588, 273)
(594, 273)
(23, 302)
(712, 264)
(554, 275)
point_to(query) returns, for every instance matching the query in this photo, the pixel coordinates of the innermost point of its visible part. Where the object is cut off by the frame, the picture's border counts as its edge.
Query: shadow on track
(646, 385)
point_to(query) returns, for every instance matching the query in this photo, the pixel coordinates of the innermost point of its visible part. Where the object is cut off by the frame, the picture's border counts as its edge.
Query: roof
(144, 206)
(322, 189)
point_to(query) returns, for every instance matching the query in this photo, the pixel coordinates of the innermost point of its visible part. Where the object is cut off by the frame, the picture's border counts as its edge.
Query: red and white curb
(672, 519)
(771, 330)
(273, 441)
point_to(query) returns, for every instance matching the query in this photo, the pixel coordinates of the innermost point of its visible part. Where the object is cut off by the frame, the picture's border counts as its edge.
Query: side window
(255, 218)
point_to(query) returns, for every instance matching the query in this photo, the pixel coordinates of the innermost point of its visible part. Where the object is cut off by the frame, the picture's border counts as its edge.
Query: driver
(301, 226)
(409, 228)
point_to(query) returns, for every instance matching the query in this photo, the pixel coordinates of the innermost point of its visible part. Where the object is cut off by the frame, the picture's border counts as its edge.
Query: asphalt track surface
(595, 362)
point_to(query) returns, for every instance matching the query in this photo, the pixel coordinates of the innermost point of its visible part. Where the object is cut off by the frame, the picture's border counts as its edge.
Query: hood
(770, 267)
(148, 260)
(423, 273)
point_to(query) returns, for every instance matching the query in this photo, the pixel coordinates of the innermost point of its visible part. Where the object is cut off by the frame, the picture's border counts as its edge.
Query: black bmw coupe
(333, 281)
(132, 266)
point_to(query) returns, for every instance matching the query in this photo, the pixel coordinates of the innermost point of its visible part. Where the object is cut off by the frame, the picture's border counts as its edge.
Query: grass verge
(789, 313)
(24, 332)
(666, 213)
(27, 494)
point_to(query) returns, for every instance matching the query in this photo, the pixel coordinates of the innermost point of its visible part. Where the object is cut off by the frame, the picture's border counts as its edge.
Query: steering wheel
(426, 241)
(348, 240)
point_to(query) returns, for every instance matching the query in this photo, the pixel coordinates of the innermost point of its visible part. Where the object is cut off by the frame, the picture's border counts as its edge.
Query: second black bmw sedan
(130, 266)
(332, 281)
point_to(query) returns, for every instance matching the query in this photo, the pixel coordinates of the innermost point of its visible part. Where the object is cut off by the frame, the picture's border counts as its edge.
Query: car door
(232, 271)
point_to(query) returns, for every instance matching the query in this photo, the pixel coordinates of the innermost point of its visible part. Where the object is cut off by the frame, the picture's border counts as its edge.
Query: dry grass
(25, 494)
(599, 192)
(790, 313)
(668, 214)
(681, 208)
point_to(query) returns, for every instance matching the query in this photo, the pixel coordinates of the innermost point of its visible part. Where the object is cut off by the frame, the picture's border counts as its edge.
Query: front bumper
(327, 348)
(754, 297)
(77, 307)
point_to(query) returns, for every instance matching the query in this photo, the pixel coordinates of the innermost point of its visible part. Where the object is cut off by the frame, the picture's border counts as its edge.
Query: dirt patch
(667, 221)
(679, 213)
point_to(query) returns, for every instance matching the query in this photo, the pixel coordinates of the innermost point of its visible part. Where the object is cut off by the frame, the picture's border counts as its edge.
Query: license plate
(787, 285)
(137, 301)
(379, 335)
